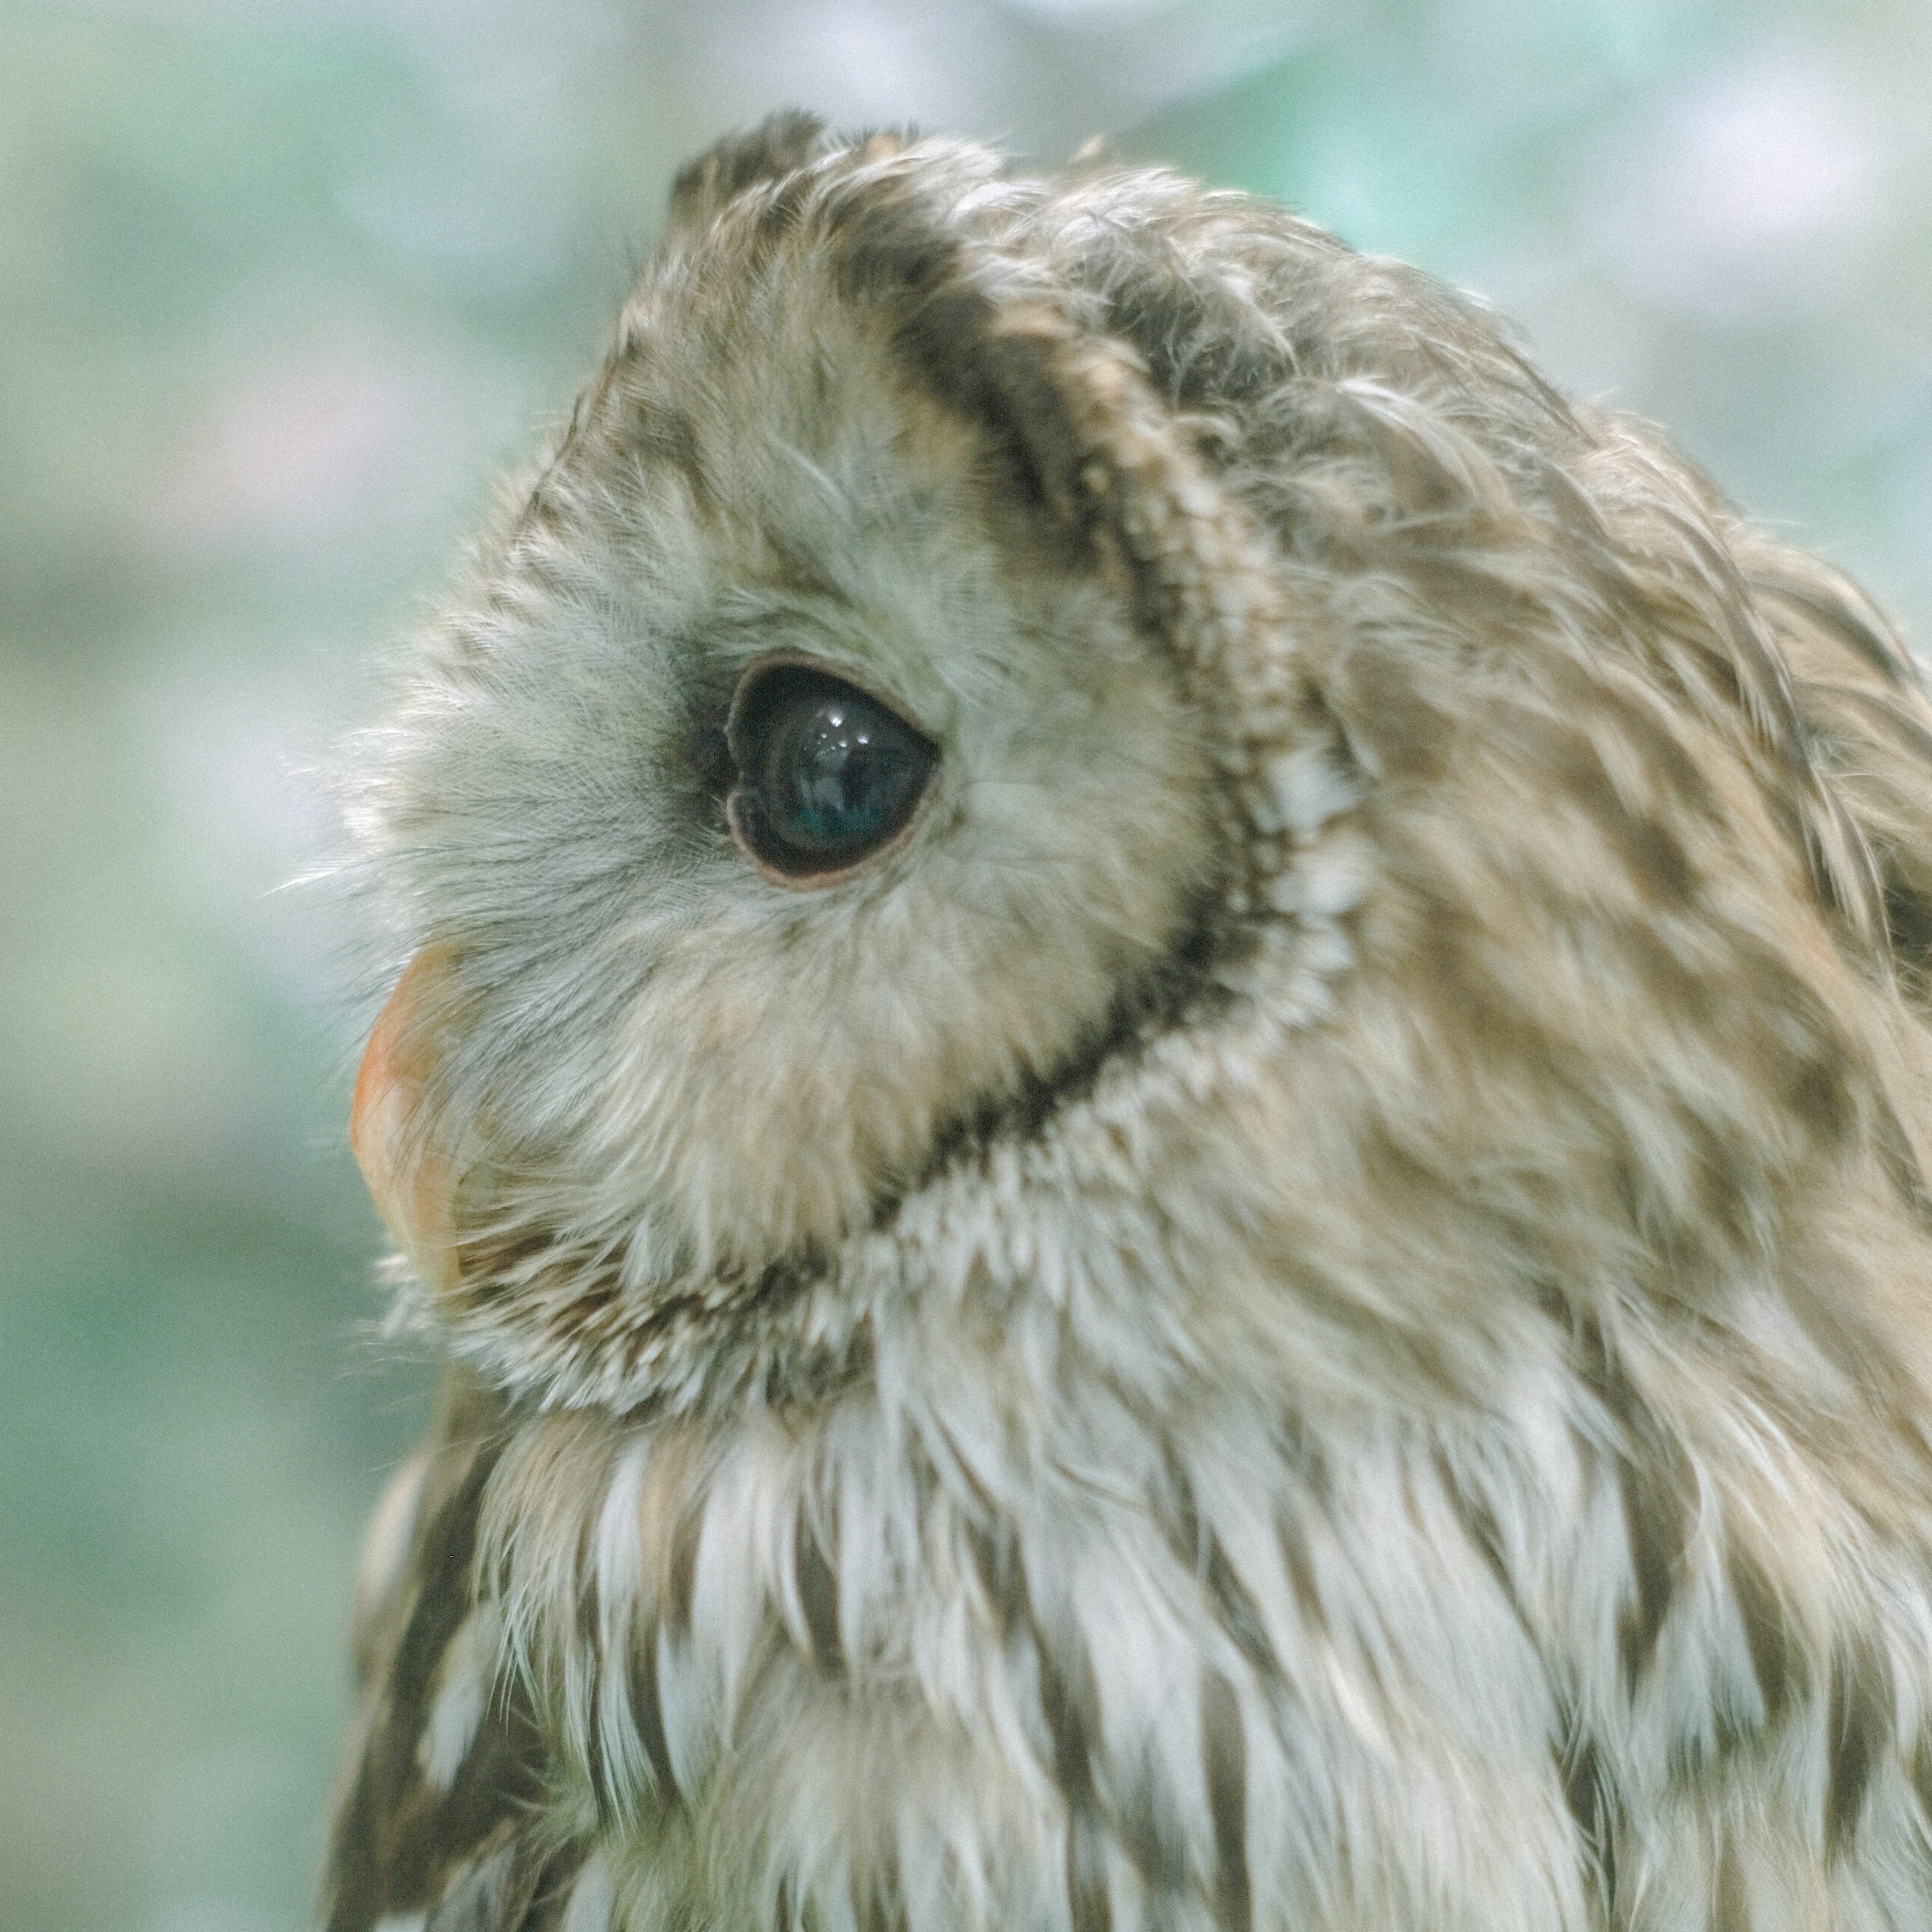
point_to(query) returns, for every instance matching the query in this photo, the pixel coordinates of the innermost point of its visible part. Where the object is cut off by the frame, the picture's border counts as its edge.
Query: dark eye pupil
(826, 773)
(834, 774)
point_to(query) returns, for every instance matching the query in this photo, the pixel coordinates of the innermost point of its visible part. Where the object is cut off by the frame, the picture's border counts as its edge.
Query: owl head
(1077, 730)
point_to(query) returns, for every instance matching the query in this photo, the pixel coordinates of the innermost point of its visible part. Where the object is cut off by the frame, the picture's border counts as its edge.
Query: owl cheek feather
(390, 1128)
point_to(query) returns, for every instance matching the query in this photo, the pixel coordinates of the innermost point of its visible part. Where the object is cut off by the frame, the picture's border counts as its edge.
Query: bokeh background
(283, 283)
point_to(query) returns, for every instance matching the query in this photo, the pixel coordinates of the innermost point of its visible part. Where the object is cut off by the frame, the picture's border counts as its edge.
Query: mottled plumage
(1281, 1278)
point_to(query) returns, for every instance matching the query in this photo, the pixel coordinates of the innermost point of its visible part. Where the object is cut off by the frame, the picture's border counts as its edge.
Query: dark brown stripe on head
(778, 145)
(995, 368)
(893, 250)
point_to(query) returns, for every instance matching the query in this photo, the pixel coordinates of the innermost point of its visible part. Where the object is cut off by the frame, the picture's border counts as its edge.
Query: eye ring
(829, 776)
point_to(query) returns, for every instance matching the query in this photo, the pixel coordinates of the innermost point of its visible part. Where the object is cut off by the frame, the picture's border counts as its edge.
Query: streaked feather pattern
(1311, 1307)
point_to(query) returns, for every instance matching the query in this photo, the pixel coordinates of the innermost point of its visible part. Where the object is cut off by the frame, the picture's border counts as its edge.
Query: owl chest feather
(993, 1638)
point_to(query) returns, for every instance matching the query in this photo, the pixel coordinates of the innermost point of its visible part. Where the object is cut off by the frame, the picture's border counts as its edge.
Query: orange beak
(407, 1169)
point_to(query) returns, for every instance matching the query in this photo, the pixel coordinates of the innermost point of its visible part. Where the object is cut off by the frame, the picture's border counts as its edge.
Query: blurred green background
(283, 283)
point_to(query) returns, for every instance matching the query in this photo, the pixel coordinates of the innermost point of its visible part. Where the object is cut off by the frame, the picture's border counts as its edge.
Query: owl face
(789, 797)
(1095, 674)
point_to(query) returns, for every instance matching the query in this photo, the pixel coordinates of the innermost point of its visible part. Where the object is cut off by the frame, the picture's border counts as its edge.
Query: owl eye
(826, 774)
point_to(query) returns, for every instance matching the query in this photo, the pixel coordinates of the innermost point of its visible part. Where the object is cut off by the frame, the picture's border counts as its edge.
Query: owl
(1160, 1074)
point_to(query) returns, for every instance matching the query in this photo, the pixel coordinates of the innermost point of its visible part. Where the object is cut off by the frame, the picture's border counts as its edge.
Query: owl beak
(408, 1171)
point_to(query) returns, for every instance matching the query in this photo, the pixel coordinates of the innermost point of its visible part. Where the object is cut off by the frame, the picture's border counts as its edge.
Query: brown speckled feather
(440, 1821)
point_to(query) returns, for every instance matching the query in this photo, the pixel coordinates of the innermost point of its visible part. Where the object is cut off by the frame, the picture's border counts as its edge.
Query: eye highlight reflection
(827, 775)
